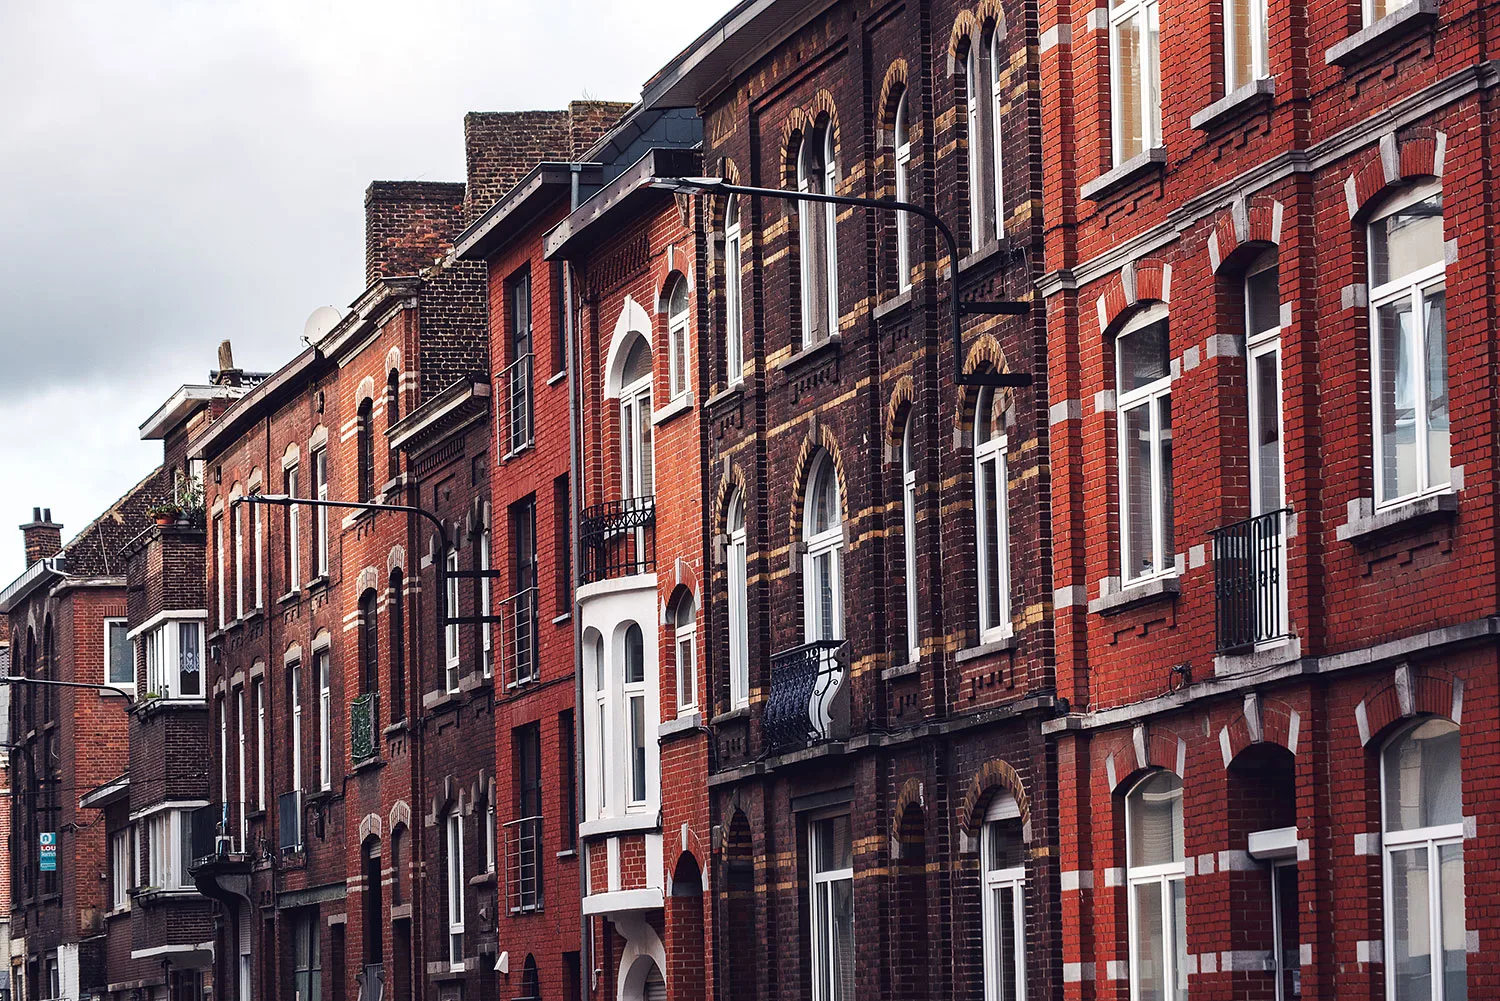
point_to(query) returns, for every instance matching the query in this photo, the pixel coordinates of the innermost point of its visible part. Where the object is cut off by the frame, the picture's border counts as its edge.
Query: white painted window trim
(992, 452)
(685, 654)
(820, 884)
(739, 605)
(294, 688)
(294, 528)
(637, 470)
(827, 544)
(237, 516)
(993, 884)
(240, 740)
(109, 624)
(633, 692)
(322, 663)
(320, 514)
(816, 178)
(258, 533)
(164, 656)
(259, 687)
(450, 631)
(1149, 103)
(679, 351)
(901, 140)
(1165, 874)
(600, 724)
(977, 94)
(1259, 43)
(1163, 560)
(997, 103)
(456, 888)
(734, 316)
(909, 539)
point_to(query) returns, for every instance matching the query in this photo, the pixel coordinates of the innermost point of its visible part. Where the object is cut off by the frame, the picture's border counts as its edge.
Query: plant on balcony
(165, 512)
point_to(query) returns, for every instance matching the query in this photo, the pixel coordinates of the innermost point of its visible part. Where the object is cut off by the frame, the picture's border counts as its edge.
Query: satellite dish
(322, 320)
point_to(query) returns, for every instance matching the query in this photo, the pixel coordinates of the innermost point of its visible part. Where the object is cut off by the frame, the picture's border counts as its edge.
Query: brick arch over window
(985, 355)
(969, 24)
(732, 482)
(909, 796)
(400, 814)
(819, 439)
(799, 121)
(1137, 284)
(1407, 692)
(1395, 162)
(896, 409)
(370, 827)
(1147, 748)
(993, 776)
(1260, 722)
(393, 360)
(396, 560)
(1246, 223)
(894, 84)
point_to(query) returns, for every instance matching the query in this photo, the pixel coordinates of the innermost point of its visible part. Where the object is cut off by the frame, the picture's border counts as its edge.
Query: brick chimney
(408, 225)
(501, 148)
(43, 536)
(589, 120)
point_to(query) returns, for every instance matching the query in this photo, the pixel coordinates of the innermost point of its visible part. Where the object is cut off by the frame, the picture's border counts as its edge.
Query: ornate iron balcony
(618, 539)
(1250, 581)
(809, 701)
(523, 864)
(364, 727)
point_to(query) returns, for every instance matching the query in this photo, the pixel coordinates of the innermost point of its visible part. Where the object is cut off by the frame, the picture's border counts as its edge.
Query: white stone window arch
(991, 519)
(822, 566)
(817, 172)
(739, 604)
(1155, 887)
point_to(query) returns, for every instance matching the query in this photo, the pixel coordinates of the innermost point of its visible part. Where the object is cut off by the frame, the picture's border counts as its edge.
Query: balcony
(208, 834)
(364, 728)
(372, 983)
(809, 702)
(289, 814)
(1250, 582)
(518, 638)
(519, 416)
(618, 539)
(523, 865)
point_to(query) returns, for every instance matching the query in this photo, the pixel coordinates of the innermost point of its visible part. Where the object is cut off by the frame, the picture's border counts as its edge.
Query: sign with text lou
(48, 853)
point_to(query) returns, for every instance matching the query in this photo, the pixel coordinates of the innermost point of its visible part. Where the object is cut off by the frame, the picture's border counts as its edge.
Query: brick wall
(409, 225)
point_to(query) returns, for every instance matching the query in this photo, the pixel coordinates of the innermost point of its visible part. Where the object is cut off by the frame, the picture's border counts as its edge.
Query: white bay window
(174, 657)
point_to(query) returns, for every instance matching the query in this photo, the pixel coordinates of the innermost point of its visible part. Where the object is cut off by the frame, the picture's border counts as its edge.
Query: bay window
(992, 519)
(739, 606)
(817, 173)
(831, 850)
(600, 771)
(1144, 418)
(734, 343)
(1135, 77)
(119, 870)
(174, 658)
(1423, 844)
(635, 711)
(1155, 889)
(169, 844)
(1409, 347)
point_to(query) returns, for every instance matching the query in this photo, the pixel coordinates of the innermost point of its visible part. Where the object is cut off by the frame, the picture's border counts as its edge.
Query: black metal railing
(364, 727)
(519, 412)
(809, 698)
(1250, 581)
(372, 984)
(204, 823)
(523, 864)
(618, 539)
(518, 637)
(289, 816)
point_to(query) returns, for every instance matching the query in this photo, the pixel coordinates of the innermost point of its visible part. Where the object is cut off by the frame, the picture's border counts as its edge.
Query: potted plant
(188, 497)
(166, 512)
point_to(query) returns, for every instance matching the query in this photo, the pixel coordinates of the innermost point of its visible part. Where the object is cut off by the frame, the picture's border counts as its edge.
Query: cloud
(177, 172)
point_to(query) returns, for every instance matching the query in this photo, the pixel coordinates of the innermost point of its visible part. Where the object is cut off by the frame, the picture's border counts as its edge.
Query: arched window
(983, 112)
(531, 989)
(909, 537)
(901, 140)
(679, 362)
(636, 458)
(392, 418)
(1003, 910)
(992, 519)
(1143, 406)
(369, 644)
(734, 319)
(634, 689)
(1423, 841)
(739, 605)
(366, 442)
(458, 882)
(1409, 346)
(1157, 899)
(396, 612)
(817, 173)
(822, 569)
(685, 623)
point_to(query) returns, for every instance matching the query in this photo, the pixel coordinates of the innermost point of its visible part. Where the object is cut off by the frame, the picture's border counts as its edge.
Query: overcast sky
(176, 173)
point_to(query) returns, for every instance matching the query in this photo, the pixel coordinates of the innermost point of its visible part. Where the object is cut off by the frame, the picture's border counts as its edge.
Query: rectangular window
(734, 318)
(307, 957)
(524, 867)
(258, 532)
(567, 767)
(242, 805)
(119, 657)
(1245, 43)
(521, 617)
(293, 528)
(119, 870)
(170, 840)
(1135, 77)
(294, 700)
(518, 381)
(450, 631)
(238, 518)
(559, 329)
(1144, 418)
(189, 660)
(174, 660)
(486, 591)
(325, 721)
(832, 876)
(456, 885)
(686, 655)
(260, 745)
(634, 689)
(1004, 913)
(219, 567)
(320, 491)
(562, 562)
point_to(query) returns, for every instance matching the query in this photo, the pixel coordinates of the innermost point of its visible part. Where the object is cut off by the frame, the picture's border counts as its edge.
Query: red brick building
(1268, 298)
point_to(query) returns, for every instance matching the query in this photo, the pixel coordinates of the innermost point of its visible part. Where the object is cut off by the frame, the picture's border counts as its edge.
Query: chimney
(589, 120)
(43, 536)
(503, 146)
(227, 375)
(408, 225)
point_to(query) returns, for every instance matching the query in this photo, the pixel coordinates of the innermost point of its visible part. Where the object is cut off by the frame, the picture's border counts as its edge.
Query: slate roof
(95, 551)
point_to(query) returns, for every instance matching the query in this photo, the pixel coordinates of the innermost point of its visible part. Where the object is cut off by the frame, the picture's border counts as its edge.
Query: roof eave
(629, 192)
(538, 191)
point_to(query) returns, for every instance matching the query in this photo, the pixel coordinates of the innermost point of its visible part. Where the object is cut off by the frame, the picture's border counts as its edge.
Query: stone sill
(832, 345)
(483, 879)
(1166, 586)
(1138, 166)
(743, 712)
(984, 253)
(1254, 661)
(900, 671)
(733, 392)
(289, 598)
(1004, 644)
(369, 764)
(680, 726)
(1407, 19)
(1251, 95)
(557, 377)
(519, 451)
(680, 405)
(628, 824)
(895, 304)
(1366, 524)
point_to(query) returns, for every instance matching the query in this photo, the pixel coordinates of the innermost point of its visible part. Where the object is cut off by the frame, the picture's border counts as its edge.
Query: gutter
(39, 574)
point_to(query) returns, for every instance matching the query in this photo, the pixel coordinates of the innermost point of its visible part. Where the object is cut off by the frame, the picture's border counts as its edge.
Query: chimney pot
(41, 536)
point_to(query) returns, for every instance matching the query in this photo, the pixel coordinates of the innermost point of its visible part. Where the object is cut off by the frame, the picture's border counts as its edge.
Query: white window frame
(220, 527)
(993, 453)
(823, 180)
(1163, 561)
(1416, 287)
(260, 743)
(489, 835)
(685, 649)
(166, 656)
(164, 857)
(1259, 43)
(237, 516)
(320, 484)
(1374, 10)
(820, 885)
(734, 317)
(111, 624)
(679, 365)
(901, 141)
(977, 96)
(909, 540)
(244, 784)
(1149, 95)
(322, 663)
(457, 884)
(294, 529)
(1165, 874)
(258, 533)
(997, 102)
(294, 687)
(993, 883)
(487, 630)
(739, 605)
(1433, 839)
(597, 750)
(450, 631)
(633, 693)
(827, 544)
(1259, 344)
(637, 469)
(119, 870)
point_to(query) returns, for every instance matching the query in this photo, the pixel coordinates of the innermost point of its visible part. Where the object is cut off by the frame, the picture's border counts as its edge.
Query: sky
(174, 173)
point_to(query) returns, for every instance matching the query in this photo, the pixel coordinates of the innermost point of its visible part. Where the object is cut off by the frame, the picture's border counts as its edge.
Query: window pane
(1144, 357)
(842, 902)
(1422, 778)
(1399, 389)
(1155, 821)
(1267, 430)
(1003, 846)
(1263, 300)
(1147, 949)
(1164, 420)
(1237, 29)
(835, 847)
(637, 749)
(1407, 240)
(1177, 936)
(1435, 326)
(191, 661)
(121, 665)
(1135, 457)
(1289, 962)
(1410, 925)
(1455, 941)
(635, 655)
(989, 491)
(1004, 942)
(1128, 74)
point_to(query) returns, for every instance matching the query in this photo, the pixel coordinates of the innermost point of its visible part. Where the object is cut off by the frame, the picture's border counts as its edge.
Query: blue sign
(49, 850)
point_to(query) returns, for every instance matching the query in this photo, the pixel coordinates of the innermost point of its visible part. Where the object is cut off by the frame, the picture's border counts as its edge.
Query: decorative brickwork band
(819, 438)
(992, 775)
(894, 83)
(967, 26)
(902, 397)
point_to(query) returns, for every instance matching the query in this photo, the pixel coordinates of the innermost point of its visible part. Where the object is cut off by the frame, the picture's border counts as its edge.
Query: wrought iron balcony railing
(809, 701)
(372, 983)
(518, 637)
(364, 727)
(523, 865)
(618, 539)
(1250, 581)
(206, 827)
(289, 815)
(519, 429)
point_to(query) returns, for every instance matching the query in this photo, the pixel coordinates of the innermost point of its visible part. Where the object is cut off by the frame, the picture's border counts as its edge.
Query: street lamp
(960, 309)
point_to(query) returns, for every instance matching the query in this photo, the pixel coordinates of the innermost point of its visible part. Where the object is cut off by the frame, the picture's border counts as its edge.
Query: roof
(183, 404)
(95, 551)
(543, 187)
(453, 409)
(705, 67)
(109, 792)
(627, 194)
(246, 409)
